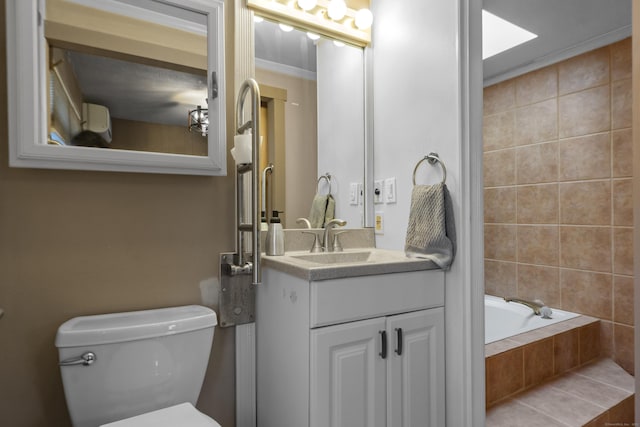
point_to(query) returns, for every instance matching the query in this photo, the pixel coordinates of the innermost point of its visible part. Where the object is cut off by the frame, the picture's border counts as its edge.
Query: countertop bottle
(275, 236)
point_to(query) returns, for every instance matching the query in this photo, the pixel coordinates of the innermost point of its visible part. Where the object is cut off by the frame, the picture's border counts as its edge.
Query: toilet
(136, 369)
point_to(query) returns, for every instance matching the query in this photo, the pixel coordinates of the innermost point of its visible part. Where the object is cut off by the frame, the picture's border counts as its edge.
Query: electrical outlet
(378, 189)
(379, 229)
(390, 190)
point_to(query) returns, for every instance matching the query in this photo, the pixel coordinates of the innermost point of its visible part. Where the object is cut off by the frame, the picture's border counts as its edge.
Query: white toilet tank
(143, 361)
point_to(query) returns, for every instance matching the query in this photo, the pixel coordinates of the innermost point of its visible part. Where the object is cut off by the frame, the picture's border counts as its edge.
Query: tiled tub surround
(558, 199)
(554, 376)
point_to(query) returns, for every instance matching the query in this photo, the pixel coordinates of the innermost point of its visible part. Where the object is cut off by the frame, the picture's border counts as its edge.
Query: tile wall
(558, 190)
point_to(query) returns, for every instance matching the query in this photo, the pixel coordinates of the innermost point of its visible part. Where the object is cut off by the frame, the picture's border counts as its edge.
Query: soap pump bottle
(275, 236)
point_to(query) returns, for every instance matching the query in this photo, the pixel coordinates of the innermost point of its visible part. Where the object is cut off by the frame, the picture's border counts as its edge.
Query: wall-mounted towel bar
(432, 158)
(326, 177)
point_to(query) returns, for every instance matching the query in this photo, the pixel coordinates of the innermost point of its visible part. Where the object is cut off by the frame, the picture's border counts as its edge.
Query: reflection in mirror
(117, 103)
(313, 122)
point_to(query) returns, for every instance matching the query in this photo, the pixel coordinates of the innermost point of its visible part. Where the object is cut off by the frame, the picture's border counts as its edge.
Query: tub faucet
(538, 307)
(327, 228)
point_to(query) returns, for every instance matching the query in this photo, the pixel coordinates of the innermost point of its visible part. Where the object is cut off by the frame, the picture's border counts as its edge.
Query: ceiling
(565, 28)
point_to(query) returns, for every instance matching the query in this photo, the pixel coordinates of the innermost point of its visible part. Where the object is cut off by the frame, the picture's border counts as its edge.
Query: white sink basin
(335, 257)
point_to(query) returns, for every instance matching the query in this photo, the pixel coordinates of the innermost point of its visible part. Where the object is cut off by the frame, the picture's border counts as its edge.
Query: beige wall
(558, 190)
(75, 243)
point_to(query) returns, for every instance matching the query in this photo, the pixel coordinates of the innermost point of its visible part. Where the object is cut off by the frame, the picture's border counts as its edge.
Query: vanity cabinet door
(348, 386)
(415, 369)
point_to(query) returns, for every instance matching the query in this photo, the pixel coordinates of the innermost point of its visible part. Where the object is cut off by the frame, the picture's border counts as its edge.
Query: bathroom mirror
(121, 85)
(317, 87)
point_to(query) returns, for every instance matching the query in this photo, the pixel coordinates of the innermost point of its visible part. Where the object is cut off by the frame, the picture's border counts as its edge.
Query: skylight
(499, 35)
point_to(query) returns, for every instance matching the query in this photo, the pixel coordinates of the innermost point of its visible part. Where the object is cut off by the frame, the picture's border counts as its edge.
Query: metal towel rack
(326, 177)
(432, 158)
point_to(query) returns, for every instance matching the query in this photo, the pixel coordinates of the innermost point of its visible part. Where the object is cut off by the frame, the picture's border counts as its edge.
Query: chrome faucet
(326, 247)
(304, 221)
(538, 307)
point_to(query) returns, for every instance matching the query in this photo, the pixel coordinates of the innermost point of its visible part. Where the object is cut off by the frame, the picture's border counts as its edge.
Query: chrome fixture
(538, 307)
(265, 211)
(316, 247)
(327, 229)
(304, 221)
(85, 359)
(199, 120)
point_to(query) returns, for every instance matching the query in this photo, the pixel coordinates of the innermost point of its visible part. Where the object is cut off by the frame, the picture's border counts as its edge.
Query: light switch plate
(390, 190)
(353, 194)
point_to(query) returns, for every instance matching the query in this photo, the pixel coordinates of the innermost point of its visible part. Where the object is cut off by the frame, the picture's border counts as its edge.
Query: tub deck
(555, 376)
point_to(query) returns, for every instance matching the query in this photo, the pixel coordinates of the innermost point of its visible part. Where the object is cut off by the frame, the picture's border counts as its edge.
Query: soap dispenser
(275, 236)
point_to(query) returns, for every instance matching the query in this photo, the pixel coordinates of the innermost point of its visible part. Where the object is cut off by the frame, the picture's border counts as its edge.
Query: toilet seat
(182, 415)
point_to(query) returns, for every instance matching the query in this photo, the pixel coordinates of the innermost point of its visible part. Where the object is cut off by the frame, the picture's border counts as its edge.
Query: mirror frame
(27, 102)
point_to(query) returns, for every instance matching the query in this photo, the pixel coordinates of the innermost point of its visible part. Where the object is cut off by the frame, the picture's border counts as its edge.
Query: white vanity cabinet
(357, 351)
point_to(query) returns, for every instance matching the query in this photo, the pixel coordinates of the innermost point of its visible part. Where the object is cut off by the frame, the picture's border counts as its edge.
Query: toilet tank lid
(133, 325)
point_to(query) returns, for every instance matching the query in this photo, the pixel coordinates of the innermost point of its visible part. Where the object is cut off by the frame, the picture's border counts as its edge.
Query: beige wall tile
(538, 244)
(585, 157)
(623, 251)
(504, 374)
(566, 351)
(623, 340)
(500, 278)
(538, 362)
(584, 71)
(564, 407)
(499, 97)
(498, 131)
(621, 100)
(623, 202)
(587, 293)
(537, 204)
(500, 168)
(606, 339)
(504, 414)
(622, 149)
(621, 60)
(537, 86)
(584, 112)
(537, 163)
(599, 421)
(500, 205)
(585, 203)
(536, 122)
(586, 248)
(500, 242)
(590, 390)
(589, 343)
(623, 300)
(539, 282)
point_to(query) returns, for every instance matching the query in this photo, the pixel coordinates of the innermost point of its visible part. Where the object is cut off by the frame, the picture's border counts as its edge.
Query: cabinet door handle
(383, 337)
(399, 341)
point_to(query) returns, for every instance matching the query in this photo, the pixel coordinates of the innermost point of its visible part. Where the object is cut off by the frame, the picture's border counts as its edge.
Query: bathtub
(503, 319)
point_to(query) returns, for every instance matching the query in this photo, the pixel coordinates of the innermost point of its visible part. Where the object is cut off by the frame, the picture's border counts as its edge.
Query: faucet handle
(337, 247)
(317, 247)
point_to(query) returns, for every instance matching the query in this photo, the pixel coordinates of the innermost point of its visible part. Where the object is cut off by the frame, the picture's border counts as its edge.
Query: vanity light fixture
(199, 120)
(334, 19)
(313, 36)
(286, 28)
(337, 9)
(307, 5)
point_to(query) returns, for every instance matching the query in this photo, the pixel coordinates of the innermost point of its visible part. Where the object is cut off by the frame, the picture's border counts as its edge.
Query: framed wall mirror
(117, 85)
(313, 98)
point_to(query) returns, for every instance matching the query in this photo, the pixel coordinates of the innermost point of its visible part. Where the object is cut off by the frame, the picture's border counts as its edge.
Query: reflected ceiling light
(199, 120)
(338, 43)
(313, 36)
(337, 9)
(286, 28)
(257, 19)
(364, 19)
(499, 35)
(307, 4)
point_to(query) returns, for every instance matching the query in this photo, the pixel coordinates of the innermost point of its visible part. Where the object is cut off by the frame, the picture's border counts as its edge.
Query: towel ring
(432, 158)
(326, 177)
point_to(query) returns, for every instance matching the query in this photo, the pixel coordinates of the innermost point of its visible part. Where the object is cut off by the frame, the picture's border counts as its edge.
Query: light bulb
(257, 19)
(337, 9)
(338, 43)
(364, 19)
(307, 4)
(313, 36)
(286, 28)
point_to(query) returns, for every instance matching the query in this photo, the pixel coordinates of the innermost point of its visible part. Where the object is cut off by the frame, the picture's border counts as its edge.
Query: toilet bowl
(136, 369)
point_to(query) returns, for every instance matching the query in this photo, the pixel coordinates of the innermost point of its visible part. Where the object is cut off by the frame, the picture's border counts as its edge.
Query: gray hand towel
(431, 231)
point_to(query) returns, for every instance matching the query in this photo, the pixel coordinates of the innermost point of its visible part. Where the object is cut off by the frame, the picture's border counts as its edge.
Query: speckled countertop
(359, 258)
